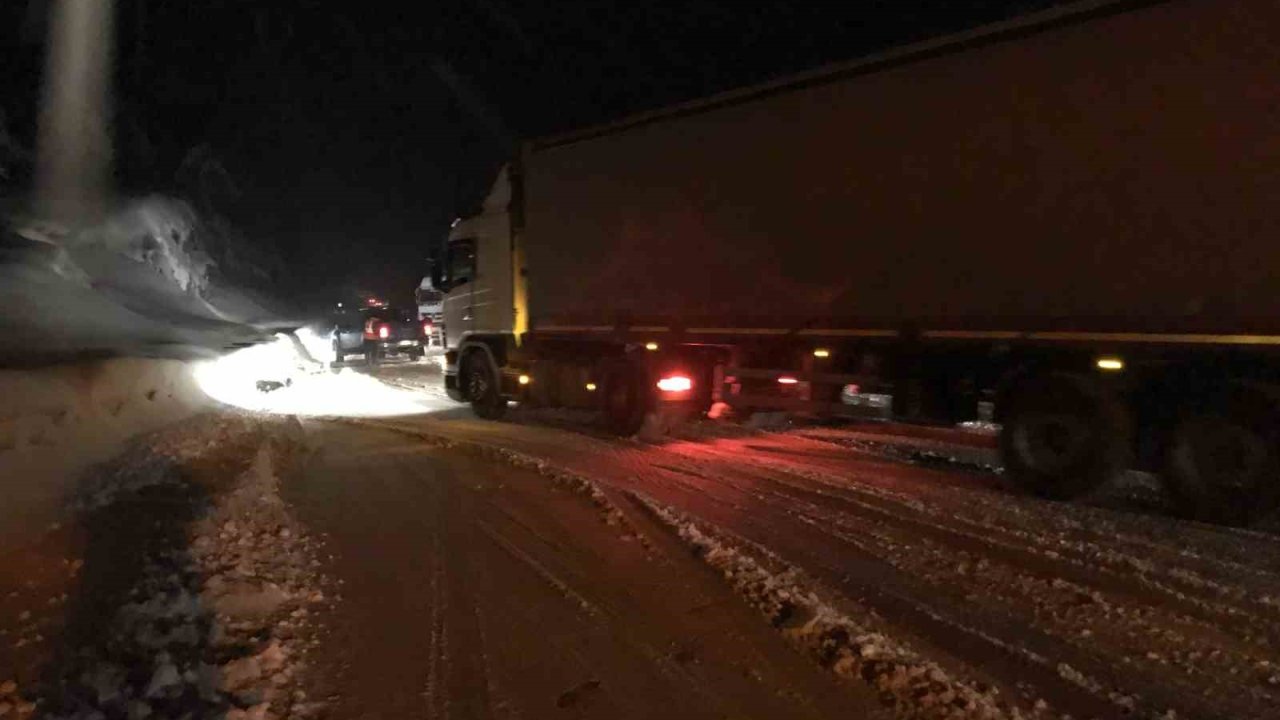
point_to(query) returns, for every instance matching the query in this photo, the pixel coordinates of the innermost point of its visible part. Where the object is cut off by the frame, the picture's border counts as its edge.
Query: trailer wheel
(1063, 436)
(482, 388)
(1222, 464)
(625, 400)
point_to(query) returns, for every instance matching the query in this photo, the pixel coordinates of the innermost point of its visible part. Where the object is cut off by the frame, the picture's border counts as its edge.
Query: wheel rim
(477, 384)
(1223, 454)
(1050, 443)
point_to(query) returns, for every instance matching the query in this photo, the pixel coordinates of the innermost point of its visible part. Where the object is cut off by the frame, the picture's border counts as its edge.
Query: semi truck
(430, 311)
(1071, 219)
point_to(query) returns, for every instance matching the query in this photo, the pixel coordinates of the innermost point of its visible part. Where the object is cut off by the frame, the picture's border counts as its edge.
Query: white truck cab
(477, 272)
(431, 311)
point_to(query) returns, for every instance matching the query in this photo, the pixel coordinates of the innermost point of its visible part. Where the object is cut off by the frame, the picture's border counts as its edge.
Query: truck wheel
(372, 356)
(1222, 465)
(482, 389)
(1064, 436)
(625, 400)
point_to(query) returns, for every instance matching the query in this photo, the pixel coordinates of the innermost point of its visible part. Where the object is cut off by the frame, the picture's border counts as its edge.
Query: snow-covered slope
(154, 278)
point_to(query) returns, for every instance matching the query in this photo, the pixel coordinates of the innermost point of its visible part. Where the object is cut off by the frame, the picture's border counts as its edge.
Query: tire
(481, 383)
(1063, 436)
(1221, 462)
(626, 401)
(372, 356)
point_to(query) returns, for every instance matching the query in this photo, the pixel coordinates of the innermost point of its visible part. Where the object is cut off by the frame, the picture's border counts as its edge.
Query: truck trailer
(1069, 219)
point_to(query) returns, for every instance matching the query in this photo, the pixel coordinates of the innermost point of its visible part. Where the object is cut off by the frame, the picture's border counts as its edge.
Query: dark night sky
(349, 153)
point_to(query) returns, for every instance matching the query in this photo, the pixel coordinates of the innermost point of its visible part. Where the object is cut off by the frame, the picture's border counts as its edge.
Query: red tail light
(426, 327)
(384, 331)
(675, 384)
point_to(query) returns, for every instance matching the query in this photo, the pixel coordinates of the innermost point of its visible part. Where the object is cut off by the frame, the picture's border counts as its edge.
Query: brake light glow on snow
(675, 383)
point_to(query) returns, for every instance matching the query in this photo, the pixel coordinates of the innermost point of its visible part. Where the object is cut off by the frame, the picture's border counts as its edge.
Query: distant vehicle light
(822, 353)
(591, 387)
(384, 332)
(787, 380)
(525, 379)
(851, 389)
(427, 327)
(651, 346)
(1110, 364)
(675, 384)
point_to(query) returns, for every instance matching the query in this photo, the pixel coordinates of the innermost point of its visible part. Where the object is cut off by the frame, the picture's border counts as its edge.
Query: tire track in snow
(514, 628)
(1083, 562)
(724, 486)
(1032, 582)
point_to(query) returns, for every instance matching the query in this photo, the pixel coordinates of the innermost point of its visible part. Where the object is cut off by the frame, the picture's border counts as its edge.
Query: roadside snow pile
(284, 377)
(912, 686)
(262, 584)
(220, 582)
(58, 421)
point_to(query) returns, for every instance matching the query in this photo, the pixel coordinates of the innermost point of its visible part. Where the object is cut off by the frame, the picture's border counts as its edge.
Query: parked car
(377, 333)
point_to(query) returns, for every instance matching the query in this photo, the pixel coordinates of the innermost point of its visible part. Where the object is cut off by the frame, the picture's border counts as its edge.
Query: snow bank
(57, 421)
(153, 279)
(291, 376)
(261, 581)
(158, 233)
(854, 648)
(212, 616)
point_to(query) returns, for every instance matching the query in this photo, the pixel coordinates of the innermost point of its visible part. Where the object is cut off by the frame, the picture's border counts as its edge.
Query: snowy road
(946, 593)
(537, 567)
(472, 589)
